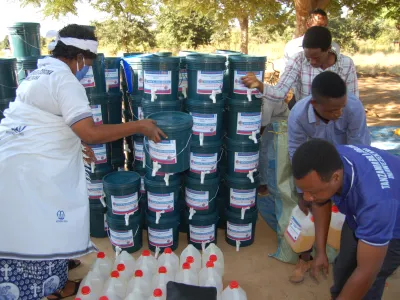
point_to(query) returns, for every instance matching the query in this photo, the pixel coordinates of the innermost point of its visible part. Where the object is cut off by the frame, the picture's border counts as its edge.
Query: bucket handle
(26, 41)
(109, 236)
(187, 144)
(204, 173)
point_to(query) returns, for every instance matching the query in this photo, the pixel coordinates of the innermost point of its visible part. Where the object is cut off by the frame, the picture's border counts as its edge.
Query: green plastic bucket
(8, 78)
(139, 162)
(25, 66)
(95, 79)
(244, 119)
(161, 77)
(227, 54)
(128, 238)
(4, 103)
(98, 225)
(242, 157)
(163, 54)
(239, 66)
(149, 107)
(204, 159)
(25, 39)
(240, 232)
(202, 229)
(163, 235)
(207, 119)
(135, 105)
(159, 176)
(112, 66)
(205, 77)
(128, 54)
(171, 155)
(97, 176)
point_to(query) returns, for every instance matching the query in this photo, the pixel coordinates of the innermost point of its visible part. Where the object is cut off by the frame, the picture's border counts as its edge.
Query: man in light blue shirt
(332, 114)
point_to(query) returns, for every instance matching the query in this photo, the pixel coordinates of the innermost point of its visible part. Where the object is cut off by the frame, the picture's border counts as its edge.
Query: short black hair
(316, 155)
(318, 11)
(74, 31)
(328, 85)
(317, 37)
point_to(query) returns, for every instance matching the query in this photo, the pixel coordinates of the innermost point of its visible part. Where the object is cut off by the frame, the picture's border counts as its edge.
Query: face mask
(80, 74)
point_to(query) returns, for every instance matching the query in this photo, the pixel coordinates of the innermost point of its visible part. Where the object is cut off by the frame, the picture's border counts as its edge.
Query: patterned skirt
(31, 279)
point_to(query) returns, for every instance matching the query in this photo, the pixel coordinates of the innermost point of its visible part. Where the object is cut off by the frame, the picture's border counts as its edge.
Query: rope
(27, 42)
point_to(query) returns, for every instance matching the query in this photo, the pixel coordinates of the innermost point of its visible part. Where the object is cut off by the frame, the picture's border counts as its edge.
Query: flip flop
(73, 263)
(60, 294)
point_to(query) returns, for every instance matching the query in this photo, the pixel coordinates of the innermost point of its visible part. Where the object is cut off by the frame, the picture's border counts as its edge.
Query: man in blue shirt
(330, 114)
(364, 183)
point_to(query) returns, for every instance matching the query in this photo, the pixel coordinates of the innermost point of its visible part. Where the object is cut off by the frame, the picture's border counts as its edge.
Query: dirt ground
(265, 278)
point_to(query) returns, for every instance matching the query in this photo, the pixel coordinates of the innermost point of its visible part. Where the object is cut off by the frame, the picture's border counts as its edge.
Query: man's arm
(357, 131)
(296, 133)
(351, 76)
(369, 262)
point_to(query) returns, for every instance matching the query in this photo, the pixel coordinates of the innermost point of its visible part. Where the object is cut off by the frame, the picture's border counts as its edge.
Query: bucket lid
(135, 58)
(172, 120)
(210, 217)
(242, 180)
(206, 144)
(163, 54)
(153, 58)
(224, 51)
(23, 24)
(121, 179)
(120, 221)
(174, 180)
(4, 61)
(244, 102)
(158, 104)
(249, 216)
(241, 143)
(206, 58)
(247, 59)
(127, 54)
(171, 220)
(211, 181)
(204, 104)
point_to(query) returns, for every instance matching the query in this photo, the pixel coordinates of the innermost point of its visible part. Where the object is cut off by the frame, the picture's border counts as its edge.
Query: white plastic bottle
(128, 260)
(187, 275)
(335, 228)
(86, 293)
(115, 287)
(210, 277)
(147, 263)
(158, 294)
(190, 250)
(124, 274)
(300, 233)
(102, 265)
(169, 260)
(213, 249)
(161, 279)
(195, 265)
(139, 284)
(234, 292)
(94, 281)
(217, 265)
(136, 296)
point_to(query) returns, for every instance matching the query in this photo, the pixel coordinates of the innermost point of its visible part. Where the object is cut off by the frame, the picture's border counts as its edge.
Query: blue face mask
(80, 74)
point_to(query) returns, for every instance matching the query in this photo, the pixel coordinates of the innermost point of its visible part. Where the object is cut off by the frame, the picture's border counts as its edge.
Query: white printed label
(197, 199)
(97, 115)
(100, 151)
(140, 80)
(105, 223)
(95, 189)
(123, 239)
(243, 198)
(199, 234)
(161, 237)
(208, 81)
(160, 81)
(159, 202)
(163, 152)
(246, 161)
(183, 81)
(88, 80)
(140, 113)
(201, 162)
(294, 229)
(248, 122)
(111, 78)
(139, 152)
(239, 232)
(122, 205)
(142, 186)
(239, 87)
(204, 123)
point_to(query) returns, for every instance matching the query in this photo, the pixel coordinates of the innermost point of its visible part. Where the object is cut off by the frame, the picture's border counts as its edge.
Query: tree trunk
(303, 9)
(244, 34)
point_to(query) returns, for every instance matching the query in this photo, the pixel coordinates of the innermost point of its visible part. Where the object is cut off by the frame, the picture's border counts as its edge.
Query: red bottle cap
(186, 266)
(213, 258)
(312, 219)
(168, 251)
(335, 209)
(146, 253)
(121, 267)
(234, 285)
(138, 273)
(101, 255)
(210, 264)
(115, 274)
(85, 290)
(103, 298)
(162, 270)
(190, 259)
(157, 293)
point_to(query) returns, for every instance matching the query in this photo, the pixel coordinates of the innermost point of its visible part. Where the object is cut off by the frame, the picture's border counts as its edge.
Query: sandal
(73, 263)
(60, 294)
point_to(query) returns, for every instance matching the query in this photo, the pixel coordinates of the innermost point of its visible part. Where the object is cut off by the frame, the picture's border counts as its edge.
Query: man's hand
(251, 81)
(303, 204)
(320, 263)
(88, 154)
(149, 128)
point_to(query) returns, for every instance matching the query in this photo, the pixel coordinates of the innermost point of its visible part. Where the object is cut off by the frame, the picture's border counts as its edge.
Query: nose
(308, 197)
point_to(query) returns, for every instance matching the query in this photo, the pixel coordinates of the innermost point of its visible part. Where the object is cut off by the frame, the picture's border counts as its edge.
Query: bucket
(204, 159)
(242, 158)
(128, 238)
(163, 177)
(95, 79)
(200, 197)
(149, 107)
(239, 66)
(205, 77)
(244, 119)
(139, 162)
(171, 155)
(227, 54)
(135, 106)
(207, 120)
(127, 54)
(202, 230)
(99, 105)
(4, 103)
(115, 117)
(25, 66)
(133, 73)
(8, 79)
(112, 67)
(240, 233)
(122, 194)
(25, 39)
(221, 212)
(161, 77)
(164, 234)
(98, 224)
(163, 54)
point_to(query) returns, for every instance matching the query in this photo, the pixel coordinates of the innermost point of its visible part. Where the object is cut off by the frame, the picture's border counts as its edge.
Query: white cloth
(88, 45)
(44, 204)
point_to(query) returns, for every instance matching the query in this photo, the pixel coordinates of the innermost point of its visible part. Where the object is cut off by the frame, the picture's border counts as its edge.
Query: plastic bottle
(147, 263)
(110, 296)
(217, 265)
(139, 284)
(158, 294)
(300, 233)
(136, 296)
(102, 265)
(161, 279)
(169, 260)
(210, 277)
(86, 293)
(126, 259)
(190, 250)
(195, 265)
(234, 292)
(213, 249)
(124, 274)
(335, 228)
(187, 276)
(95, 281)
(115, 287)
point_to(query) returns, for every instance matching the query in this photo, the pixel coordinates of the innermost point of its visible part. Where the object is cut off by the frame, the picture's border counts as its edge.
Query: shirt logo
(61, 216)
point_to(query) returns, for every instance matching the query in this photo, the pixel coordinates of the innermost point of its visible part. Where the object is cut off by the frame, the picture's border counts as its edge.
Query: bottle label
(239, 232)
(199, 234)
(160, 81)
(243, 198)
(208, 81)
(100, 151)
(96, 114)
(248, 122)
(200, 162)
(95, 188)
(159, 202)
(161, 237)
(294, 229)
(123, 239)
(163, 152)
(183, 81)
(197, 199)
(112, 78)
(246, 161)
(122, 205)
(204, 123)
(88, 80)
(239, 87)
(139, 152)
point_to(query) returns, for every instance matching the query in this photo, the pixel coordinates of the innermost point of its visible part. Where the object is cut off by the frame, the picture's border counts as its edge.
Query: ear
(313, 102)
(336, 177)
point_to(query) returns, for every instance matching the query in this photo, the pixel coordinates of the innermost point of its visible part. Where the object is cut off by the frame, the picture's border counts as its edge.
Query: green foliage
(5, 44)
(54, 8)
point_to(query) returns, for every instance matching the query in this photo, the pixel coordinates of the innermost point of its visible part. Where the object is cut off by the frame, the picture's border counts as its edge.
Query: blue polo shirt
(370, 196)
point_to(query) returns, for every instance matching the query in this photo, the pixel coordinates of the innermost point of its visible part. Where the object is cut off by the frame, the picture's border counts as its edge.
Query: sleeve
(357, 131)
(73, 102)
(351, 79)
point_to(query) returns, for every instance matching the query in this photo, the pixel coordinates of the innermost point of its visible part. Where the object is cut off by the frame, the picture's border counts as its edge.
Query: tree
(303, 9)
(5, 44)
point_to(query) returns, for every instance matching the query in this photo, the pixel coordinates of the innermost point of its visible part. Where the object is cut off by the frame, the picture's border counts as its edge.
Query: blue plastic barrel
(149, 107)
(202, 229)
(204, 159)
(242, 157)
(25, 39)
(240, 232)
(25, 66)
(112, 68)
(163, 235)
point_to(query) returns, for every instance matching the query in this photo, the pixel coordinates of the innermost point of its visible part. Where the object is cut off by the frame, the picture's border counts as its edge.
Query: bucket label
(208, 81)
(163, 152)
(123, 239)
(243, 198)
(294, 229)
(111, 78)
(95, 188)
(160, 81)
(140, 80)
(142, 186)
(248, 122)
(140, 115)
(105, 223)
(122, 205)
(160, 237)
(197, 199)
(199, 234)
(202, 162)
(204, 123)
(183, 81)
(159, 202)
(88, 80)
(139, 152)
(239, 232)
(100, 151)
(97, 115)
(246, 161)
(239, 87)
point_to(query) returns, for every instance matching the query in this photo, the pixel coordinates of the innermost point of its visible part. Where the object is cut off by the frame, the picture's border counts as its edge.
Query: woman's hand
(88, 154)
(149, 128)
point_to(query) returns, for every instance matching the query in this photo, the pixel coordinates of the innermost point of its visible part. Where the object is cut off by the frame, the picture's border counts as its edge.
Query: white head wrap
(88, 45)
